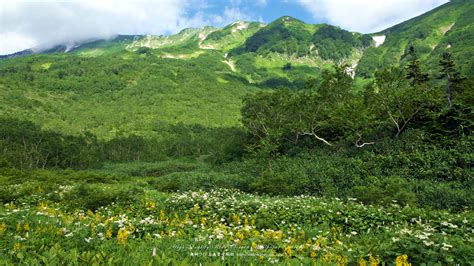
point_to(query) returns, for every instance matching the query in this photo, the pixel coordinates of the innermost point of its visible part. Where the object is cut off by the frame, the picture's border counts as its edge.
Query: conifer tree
(414, 73)
(452, 75)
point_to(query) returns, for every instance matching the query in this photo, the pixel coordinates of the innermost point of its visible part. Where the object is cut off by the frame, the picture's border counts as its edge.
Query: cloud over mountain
(368, 15)
(25, 24)
(42, 24)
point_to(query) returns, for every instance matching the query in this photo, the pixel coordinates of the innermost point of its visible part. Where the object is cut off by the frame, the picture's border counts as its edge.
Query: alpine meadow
(285, 143)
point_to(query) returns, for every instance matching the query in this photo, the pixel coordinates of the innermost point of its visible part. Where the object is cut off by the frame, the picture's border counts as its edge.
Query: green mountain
(231, 36)
(124, 91)
(293, 37)
(133, 83)
(448, 28)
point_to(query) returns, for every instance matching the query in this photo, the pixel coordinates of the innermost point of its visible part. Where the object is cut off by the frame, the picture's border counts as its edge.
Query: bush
(92, 197)
(385, 191)
(440, 195)
(196, 181)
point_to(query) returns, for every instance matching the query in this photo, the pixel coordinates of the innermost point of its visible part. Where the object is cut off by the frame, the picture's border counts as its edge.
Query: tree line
(331, 110)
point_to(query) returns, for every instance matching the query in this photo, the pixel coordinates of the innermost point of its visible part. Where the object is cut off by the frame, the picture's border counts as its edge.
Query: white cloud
(24, 24)
(261, 3)
(44, 23)
(367, 15)
(12, 41)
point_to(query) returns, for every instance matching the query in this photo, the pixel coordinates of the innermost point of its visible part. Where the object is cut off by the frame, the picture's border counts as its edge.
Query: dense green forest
(297, 143)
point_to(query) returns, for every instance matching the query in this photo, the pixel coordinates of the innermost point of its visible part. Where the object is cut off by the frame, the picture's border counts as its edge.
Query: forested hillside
(286, 143)
(446, 28)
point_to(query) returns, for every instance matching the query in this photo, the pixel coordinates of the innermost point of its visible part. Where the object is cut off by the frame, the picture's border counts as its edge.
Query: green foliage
(336, 44)
(285, 35)
(401, 103)
(323, 112)
(231, 36)
(452, 75)
(414, 74)
(110, 95)
(446, 28)
(163, 227)
(25, 145)
(389, 190)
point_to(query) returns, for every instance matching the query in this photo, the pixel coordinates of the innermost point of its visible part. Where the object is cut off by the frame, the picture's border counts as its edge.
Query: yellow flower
(122, 236)
(18, 227)
(108, 234)
(278, 235)
(162, 215)
(3, 228)
(288, 251)
(240, 236)
(362, 262)
(26, 227)
(373, 261)
(254, 246)
(92, 226)
(59, 232)
(41, 206)
(327, 257)
(302, 234)
(16, 247)
(235, 218)
(402, 260)
(342, 260)
(313, 254)
(150, 205)
(11, 205)
(196, 208)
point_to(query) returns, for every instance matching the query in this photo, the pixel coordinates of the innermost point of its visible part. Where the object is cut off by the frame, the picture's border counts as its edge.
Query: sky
(42, 24)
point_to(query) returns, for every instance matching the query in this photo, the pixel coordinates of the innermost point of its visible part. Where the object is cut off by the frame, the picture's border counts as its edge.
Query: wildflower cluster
(235, 225)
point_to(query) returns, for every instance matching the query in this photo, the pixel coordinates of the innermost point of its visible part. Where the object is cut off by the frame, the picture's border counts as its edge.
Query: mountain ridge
(290, 40)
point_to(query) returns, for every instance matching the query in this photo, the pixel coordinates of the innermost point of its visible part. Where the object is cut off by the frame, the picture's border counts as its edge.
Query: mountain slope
(447, 28)
(231, 36)
(293, 37)
(121, 93)
(198, 77)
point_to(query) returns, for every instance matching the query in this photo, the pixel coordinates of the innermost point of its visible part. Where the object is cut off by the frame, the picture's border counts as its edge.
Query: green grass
(108, 95)
(429, 35)
(51, 223)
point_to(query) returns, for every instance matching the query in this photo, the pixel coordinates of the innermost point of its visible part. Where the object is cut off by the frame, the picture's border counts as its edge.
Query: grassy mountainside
(447, 28)
(293, 37)
(121, 92)
(230, 36)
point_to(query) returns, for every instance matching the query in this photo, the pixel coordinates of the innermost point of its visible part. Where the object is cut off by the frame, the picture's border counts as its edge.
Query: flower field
(234, 227)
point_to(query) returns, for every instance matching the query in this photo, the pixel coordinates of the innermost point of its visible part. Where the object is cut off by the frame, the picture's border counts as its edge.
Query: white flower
(447, 245)
(421, 236)
(428, 243)
(88, 240)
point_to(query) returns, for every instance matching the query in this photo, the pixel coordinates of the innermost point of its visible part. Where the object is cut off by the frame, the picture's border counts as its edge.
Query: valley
(279, 143)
